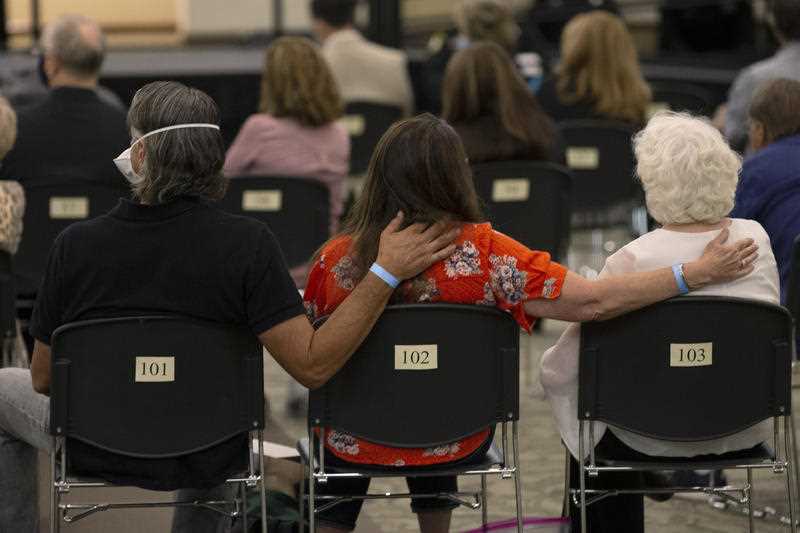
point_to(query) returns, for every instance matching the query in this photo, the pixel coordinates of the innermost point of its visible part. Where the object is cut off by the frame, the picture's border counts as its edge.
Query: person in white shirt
(689, 175)
(364, 71)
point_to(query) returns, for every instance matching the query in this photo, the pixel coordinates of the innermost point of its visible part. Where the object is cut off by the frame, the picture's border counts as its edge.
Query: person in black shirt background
(171, 251)
(73, 134)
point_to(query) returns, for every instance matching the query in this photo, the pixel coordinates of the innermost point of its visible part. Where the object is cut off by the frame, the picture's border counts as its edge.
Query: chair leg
(583, 477)
(263, 483)
(750, 499)
(517, 474)
(312, 508)
(301, 502)
(243, 491)
(565, 505)
(54, 494)
(790, 466)
(484, 503)
(795, 462)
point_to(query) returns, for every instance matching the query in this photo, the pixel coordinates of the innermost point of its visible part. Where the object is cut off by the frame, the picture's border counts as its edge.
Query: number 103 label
(697, 354)
(416, 356)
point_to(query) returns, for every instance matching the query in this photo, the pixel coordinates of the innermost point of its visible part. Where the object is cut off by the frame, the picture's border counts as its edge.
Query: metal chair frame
(779, 463)
(315, 470)
(62, 483)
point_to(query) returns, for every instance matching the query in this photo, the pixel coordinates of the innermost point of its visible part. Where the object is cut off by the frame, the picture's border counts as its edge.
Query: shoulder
(336, 248)
(742, 228)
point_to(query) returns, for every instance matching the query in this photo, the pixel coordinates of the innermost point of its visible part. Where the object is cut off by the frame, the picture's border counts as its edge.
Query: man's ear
(757, 135)
(51, 67)
(137, 157)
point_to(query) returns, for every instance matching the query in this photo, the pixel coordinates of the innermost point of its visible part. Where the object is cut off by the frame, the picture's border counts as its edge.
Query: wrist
(695, 275)
(390, 279)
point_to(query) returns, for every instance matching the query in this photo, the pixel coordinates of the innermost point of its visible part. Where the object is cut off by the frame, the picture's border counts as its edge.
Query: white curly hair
(688, 171)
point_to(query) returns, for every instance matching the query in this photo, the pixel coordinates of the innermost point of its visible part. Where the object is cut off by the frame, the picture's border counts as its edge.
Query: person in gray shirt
(785, 15)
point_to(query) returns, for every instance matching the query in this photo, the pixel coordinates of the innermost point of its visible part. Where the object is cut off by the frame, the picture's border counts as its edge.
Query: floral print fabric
(487, 268)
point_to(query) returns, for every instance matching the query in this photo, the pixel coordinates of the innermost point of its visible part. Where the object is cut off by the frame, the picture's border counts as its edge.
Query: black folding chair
(8, 314)
(529, 201)
(297, 210)
(681, 96)
(793, 284)
(154, 388)
(366, 123)
(426, 375)
(690, 369)
(50, 208)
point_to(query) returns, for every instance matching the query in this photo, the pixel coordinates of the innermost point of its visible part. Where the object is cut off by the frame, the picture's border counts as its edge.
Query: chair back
(600, 156)
(792, 291)
(426, 375)
(297, 210)
(366, 123)
(155, 387)
(529, 201)
(680, 96)
(688, 369)
(8, 315)
(49, 209)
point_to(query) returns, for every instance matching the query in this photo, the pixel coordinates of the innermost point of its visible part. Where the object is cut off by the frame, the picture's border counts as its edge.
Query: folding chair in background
(297, 210)
(427, 375)
(154, 388)
(366, 122)
(690, 369)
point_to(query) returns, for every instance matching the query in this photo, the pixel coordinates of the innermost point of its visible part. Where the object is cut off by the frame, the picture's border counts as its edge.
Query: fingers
(722, 237)
(434, 231)
(750, 259)
(443, 254)
(444, 239)
(395, 223)
(746, 247)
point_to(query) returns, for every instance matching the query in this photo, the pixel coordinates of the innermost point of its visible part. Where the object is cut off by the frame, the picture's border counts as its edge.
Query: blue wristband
(385, 275)
(677, 271)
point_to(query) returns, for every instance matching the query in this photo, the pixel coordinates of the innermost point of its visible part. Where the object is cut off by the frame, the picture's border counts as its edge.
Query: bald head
(74, 48)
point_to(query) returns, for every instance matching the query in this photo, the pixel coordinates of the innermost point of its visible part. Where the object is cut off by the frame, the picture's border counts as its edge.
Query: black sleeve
(48, 311)
(270, 294)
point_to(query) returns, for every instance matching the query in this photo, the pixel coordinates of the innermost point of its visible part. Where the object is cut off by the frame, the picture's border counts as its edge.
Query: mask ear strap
(178, 127)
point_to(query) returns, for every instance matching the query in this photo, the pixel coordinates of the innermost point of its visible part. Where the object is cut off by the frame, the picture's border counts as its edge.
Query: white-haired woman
(689, 175)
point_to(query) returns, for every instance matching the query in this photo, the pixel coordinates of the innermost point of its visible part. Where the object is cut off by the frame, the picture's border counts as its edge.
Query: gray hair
(77, 42)
(8, 127)
(181, 162)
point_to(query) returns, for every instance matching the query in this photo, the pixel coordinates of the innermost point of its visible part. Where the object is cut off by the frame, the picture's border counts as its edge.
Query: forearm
(332, 344)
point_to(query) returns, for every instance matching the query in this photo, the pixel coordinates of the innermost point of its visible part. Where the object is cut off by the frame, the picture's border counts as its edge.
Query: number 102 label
(697, 354)
(416, 356)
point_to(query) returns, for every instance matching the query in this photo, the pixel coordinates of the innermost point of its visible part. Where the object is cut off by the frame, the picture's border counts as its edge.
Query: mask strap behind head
(177, 127)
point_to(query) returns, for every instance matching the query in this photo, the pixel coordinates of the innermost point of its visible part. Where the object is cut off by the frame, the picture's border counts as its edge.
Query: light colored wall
(113, 13)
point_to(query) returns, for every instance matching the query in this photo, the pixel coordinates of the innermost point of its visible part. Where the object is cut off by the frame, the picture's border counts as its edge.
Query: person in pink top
(295, 132)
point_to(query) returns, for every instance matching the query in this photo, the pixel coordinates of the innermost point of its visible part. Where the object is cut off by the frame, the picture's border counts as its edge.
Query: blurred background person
(769, 189)
(546, 20)
(785, 21)
(705, 25)
(295, 132)
(475, 20)
(364, 71)
(72, 135)
(599, 75)
(12, 208)
(492, 109)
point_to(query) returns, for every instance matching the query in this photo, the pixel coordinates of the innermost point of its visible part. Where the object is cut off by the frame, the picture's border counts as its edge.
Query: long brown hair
(297, 83)
(482, 81)
(419, 167)
(599, 63)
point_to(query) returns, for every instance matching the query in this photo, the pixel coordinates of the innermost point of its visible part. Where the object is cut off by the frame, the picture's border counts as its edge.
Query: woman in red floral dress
(420, 168)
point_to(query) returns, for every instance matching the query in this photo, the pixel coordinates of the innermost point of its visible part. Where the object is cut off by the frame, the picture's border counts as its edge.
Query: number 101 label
(697, 354)
(416, 356)
(150, 369)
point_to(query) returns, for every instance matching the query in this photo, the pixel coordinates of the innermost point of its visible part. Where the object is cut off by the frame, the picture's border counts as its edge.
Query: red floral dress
(487, 268)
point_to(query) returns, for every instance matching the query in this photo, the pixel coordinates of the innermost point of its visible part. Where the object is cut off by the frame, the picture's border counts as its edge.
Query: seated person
(599, 75)
(171, 251)
(769, 190)
(295, 132)
(12, 207)
(689, 176)
(488, 104)
(420, 167)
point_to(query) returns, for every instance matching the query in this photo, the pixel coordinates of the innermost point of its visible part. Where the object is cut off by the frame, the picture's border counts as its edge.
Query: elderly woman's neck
(697, 227)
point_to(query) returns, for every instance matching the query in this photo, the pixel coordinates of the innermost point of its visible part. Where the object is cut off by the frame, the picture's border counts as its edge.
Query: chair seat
(633, 459)
(492, 458)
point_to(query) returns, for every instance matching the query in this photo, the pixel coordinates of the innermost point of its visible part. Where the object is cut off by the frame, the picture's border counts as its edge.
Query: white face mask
(123, 160)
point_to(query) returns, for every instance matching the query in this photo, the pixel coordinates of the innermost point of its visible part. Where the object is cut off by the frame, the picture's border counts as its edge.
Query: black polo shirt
(186, 257)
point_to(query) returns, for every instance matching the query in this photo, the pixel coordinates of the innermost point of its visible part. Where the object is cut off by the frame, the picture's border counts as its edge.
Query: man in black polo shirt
(174, 252)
